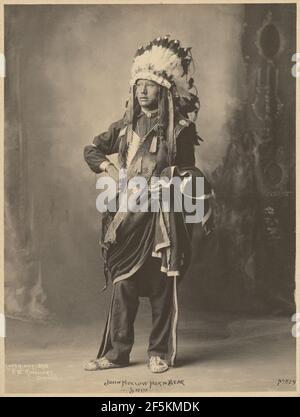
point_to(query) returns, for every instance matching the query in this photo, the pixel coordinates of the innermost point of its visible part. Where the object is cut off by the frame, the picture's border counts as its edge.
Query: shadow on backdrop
(67, 80)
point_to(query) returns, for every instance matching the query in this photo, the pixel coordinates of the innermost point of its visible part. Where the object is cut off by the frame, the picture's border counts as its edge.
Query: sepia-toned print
(150, 172)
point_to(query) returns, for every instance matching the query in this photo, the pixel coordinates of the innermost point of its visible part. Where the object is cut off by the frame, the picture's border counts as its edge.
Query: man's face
(147, 94)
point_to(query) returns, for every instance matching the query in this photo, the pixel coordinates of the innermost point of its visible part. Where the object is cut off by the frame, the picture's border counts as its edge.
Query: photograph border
(297, 291)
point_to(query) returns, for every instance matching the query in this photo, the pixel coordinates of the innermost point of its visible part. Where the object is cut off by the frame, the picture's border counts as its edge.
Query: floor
(217, 352)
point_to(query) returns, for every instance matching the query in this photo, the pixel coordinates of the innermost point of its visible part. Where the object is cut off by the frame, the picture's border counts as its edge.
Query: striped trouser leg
(118, 334)
(105, 338)
(163, 337)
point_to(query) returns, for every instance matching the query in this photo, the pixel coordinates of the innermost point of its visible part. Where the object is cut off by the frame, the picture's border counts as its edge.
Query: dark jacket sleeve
(186, 140)
(104, 144)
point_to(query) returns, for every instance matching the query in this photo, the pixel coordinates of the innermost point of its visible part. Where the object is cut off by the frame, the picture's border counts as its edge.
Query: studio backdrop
(67, 79)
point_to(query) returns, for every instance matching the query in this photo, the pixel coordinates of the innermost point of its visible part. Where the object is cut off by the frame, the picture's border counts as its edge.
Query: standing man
(146, 253)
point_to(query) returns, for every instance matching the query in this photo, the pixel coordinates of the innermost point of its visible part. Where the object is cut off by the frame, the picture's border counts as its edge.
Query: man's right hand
(110, 169)
(113, 172)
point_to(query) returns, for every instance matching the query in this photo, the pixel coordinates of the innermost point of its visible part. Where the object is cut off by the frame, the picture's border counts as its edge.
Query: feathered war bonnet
(165, 62)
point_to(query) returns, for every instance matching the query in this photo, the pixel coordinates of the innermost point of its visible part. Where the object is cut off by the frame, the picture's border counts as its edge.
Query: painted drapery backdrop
(67, 79)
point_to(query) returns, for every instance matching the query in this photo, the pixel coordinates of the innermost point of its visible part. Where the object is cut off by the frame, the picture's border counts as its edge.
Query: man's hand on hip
(110, 169)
